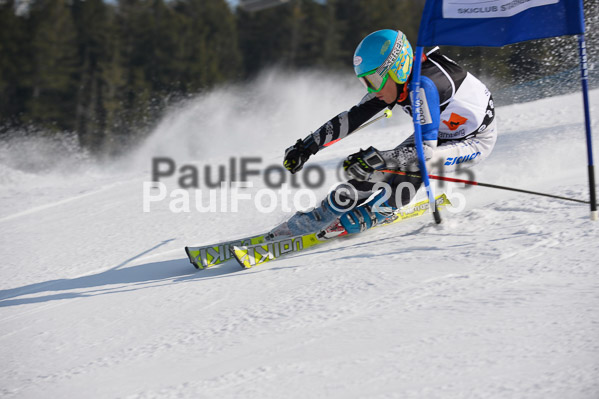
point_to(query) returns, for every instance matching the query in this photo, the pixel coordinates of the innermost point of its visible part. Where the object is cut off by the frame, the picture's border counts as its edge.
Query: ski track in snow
(98, 300)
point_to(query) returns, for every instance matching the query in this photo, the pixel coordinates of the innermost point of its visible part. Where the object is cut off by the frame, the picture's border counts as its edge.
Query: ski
(215, 254)
(252, 255)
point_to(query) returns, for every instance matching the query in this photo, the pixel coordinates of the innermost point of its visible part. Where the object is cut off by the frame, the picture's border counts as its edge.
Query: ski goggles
(373, 81)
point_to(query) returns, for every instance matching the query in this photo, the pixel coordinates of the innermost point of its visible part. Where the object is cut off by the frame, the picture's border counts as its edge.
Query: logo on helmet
(385, 47)
(357, 60)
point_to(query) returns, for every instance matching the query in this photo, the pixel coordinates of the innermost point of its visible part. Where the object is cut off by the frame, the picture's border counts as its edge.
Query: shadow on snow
(114, 280)
(155, 274)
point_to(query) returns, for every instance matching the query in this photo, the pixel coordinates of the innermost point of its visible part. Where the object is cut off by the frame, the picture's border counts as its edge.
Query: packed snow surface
(98, 300)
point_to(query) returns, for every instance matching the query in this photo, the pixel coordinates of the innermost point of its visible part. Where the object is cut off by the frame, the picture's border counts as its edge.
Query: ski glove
(363, 164)
(297, 155)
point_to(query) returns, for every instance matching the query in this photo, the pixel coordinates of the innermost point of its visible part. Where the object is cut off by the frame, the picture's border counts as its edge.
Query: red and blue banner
(495, 23)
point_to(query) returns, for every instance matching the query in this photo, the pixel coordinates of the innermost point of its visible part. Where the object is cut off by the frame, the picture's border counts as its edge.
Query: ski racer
(458, 130)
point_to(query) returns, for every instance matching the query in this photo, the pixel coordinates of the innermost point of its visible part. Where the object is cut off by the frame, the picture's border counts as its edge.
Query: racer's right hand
(361, 165)
(297, 155)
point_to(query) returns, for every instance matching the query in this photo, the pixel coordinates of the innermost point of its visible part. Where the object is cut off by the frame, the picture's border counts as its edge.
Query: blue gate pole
(587, 119)
(416, 111)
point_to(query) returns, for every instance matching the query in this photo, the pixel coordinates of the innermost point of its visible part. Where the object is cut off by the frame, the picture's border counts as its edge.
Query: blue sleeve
(431, 112)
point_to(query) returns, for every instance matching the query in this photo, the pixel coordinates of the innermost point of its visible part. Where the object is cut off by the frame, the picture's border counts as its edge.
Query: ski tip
(442, 200)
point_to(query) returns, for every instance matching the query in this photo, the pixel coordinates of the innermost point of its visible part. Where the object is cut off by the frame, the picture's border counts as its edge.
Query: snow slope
(97, 299)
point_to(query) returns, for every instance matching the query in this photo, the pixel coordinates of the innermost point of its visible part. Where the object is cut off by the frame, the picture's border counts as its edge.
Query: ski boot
(307, 222)
(370, 214)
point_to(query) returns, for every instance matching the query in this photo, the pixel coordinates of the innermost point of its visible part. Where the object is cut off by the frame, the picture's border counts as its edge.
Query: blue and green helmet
(382, 54)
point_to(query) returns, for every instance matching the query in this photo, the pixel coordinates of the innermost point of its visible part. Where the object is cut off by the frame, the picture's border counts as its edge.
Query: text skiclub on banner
(489, 8)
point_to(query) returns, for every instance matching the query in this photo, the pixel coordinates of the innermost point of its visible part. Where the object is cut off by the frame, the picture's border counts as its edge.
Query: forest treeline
(107, 70)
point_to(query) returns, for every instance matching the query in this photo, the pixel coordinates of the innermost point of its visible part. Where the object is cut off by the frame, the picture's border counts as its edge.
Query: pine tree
(209, 47)
(54, 83)
(93, 26)
(15, 65)
(135, 52)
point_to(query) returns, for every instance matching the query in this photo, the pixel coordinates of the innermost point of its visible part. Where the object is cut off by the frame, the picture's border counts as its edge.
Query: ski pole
(475, 183)
(386, 114)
